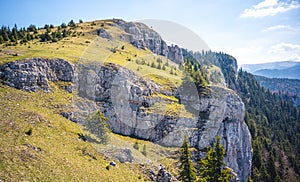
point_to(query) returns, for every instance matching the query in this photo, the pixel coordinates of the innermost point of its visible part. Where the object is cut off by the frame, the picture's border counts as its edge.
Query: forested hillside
(288, 89)
(275, 129)
(274, 123)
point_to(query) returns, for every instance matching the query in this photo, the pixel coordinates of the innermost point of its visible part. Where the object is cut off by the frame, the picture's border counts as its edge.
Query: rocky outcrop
(35, 73)
(175, 54)
(163, 175)
(125, 155)
(124, 98)
(104, 34)
(141, 36)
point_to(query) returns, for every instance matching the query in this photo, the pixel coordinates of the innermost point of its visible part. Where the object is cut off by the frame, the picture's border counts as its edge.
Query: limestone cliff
(141, 36)
(34, 74)
(125, 99)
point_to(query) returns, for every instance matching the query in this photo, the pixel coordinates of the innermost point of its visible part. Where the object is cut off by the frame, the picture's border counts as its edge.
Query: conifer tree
(186, 168)
(96, 124)
(212, 166)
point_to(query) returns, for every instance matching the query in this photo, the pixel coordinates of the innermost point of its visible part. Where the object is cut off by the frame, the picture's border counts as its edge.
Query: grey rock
(37, 149)
(141, 36)
(123, 97)
(35, 73)
(175, 54)
(104, 34)
(125, 155)
(112, 163)
(163, 175)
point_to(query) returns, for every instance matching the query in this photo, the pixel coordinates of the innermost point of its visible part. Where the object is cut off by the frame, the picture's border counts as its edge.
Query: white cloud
(277, 27)
(285, 51)
(254, 53)
(269, 8)
(284, 48)
(245, 55)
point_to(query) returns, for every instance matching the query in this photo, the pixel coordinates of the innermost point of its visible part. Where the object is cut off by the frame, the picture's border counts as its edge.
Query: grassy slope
(53, 151)
(90, 48)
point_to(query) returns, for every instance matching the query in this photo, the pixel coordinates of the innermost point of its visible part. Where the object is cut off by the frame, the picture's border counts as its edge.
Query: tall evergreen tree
(186, 168)
(212, 167)
(96, 124)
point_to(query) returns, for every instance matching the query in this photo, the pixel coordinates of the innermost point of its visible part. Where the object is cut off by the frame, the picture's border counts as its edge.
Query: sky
(253, 31)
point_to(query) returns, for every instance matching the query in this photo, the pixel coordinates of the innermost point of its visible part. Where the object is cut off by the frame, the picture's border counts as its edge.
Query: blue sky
(253, 31)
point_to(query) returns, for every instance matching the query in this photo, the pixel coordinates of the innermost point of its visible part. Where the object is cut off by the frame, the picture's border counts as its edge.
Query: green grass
(170, 109)
(61, 156)
(70, 48)
(53, 152)
(91, 48)
(215, 75)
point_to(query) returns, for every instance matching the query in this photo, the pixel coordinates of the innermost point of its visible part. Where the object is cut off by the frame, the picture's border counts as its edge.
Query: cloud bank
(269, 8)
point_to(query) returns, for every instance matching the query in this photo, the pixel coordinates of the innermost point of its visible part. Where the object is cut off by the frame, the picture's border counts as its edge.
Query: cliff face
(125, 99)
(34, 74)
(141, 36)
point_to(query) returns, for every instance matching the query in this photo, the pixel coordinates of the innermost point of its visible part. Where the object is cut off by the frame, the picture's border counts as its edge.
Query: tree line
(22, 35)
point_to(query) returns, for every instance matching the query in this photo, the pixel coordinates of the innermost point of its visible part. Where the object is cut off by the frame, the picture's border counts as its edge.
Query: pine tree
(1, 39)
(96, 124)
(159, 66)
(271, 168)
(153, 65)
(144, 152)
(186, 168)
(212, 167)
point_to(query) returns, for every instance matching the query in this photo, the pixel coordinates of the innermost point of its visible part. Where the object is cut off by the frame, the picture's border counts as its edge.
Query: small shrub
(29, 132)
(137, 61)
(171, 72)
(144, 152)
(113, 50)
(136, 145)
(63, 25)
(159, 66)
(107, 167)
(153, 65)
(159, 60)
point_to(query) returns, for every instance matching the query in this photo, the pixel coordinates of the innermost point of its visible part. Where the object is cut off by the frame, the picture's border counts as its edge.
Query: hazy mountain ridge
(285, 69)
(288, 88)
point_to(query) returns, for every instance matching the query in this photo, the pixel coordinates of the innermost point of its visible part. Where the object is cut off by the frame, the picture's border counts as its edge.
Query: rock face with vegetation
(141, 107)
(141, 36)
(125, 99)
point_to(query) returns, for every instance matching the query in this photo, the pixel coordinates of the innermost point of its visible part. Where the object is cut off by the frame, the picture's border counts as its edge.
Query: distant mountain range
(289, 89)
(285, 69)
